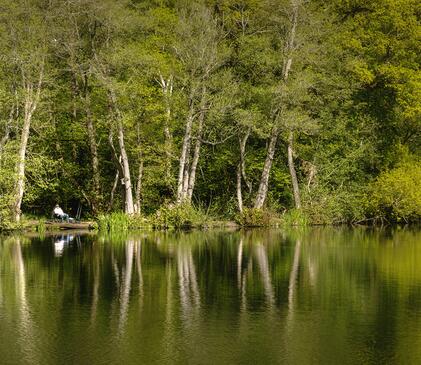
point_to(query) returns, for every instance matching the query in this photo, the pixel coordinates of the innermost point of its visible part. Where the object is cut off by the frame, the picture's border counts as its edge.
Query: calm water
(323, 296)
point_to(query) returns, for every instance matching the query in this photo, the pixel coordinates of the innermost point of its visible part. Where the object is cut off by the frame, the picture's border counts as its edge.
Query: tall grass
(114, 222)
(179, 216)
(295, 217)
(41, 227)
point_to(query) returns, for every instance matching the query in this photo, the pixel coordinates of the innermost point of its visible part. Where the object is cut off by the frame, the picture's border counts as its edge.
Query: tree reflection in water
(229, 297)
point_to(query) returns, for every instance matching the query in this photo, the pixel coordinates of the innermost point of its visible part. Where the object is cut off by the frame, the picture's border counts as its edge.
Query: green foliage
(351, 100)
(252, 217)
(396, 194)
(326, 206)
(295, 217)
(114, 222)
(178, 216)
(7, 181)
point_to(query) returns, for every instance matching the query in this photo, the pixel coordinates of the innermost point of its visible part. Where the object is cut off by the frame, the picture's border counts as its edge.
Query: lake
(313, 296)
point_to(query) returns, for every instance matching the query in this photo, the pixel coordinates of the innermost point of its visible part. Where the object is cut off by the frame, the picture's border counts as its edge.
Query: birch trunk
(94, 155)
(263, 188)
(6, 135)
(239, 192)
(295, 187)
(290, 42)
(138, 192)
(139, 186)
(241, 171)
(193, 168)
(129, 205)
(198, 144)
(167, 90)
(113, 189)
(31, 102)
(184, 153)
(287, 68)
(119, 166)
(186, 177)
(264, 180)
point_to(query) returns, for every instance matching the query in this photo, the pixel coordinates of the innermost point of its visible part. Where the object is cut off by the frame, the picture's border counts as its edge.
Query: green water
(320, 296)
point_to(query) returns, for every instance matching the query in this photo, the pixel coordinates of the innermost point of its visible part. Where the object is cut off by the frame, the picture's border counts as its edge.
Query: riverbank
(185, 217)
(114, 222)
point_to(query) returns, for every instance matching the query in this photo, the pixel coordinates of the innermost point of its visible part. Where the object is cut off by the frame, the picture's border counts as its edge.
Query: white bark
(241, 171)
(113, 189)
(287, 68)
(239, 192)
(264, 180)
(139, 186)
(129, 205)
(193, 167)
(295, 187)
(167, 90)
(198, 144)
(186, 177)
(94, 154)
(31, 102)
(263, 188)
(184, 153)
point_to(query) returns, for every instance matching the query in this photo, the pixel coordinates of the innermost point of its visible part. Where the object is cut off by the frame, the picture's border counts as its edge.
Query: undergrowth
(178, 216)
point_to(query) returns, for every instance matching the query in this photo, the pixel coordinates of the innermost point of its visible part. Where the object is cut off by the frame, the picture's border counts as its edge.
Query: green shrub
(252, 217)
(396, 194)
(114, 222)
(295, 217)
(41, 227)
(324, 205)
(178, 216)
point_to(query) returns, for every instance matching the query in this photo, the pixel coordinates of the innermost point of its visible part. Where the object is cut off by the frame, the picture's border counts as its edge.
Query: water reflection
(60, 242)
(217, 297)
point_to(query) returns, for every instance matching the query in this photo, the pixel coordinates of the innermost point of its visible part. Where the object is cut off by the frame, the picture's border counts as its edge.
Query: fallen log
(69, 225)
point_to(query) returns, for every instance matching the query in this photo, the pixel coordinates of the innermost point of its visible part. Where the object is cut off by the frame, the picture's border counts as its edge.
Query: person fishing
(58, 212)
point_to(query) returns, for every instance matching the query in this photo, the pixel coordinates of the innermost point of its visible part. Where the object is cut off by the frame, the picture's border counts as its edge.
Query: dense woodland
(230, 107)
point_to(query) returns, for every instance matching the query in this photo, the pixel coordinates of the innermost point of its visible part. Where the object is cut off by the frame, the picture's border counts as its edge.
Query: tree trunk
(128, 206)
(263, 188)
(6, 135)
(287, 68)
(139, 186)
(290, 41)
(20, 184)
(198, 144)
(113, 189)
(241, 171)
(31, 103)
(239, 192)
(119, 166)
(295, 187)
(94, 155)
(184, 153)
(167, 89)
(186, 177)
(264, 180)
(193, 168)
